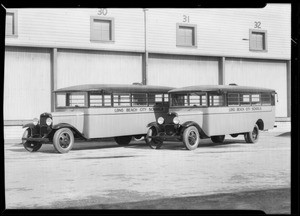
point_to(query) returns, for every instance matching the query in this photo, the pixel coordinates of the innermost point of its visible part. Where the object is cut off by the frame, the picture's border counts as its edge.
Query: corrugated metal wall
(260, 73)
(75, 67)
(178, 71)
(26, 83)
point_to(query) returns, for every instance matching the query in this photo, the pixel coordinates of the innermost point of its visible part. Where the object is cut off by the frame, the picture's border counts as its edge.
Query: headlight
(49, 121)
(176, 120)
(160, 120)
(35, 121)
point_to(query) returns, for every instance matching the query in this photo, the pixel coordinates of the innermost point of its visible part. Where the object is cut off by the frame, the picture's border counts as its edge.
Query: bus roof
(222, 88)
(116, 88)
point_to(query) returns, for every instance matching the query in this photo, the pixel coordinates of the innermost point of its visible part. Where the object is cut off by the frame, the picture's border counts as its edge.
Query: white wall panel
(93, 67)
(222, 32)
(26, 83)
(71, 28)
(178, 71)
(260, 73)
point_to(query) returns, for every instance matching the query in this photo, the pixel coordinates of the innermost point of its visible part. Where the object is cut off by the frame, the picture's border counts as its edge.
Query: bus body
(214, 111)
(97, 111)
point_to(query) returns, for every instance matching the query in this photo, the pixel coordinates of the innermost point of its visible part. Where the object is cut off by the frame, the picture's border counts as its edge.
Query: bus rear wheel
(218, 139)
(191, 138)
(152, 142)
(252, 137)
(123, 140)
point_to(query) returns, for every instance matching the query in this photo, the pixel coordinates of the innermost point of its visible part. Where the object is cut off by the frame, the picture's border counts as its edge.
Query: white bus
(213, 111)
(97, 111)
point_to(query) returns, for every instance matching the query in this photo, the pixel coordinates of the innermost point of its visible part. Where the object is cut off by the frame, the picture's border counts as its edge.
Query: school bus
(213, 111)
(97, 111)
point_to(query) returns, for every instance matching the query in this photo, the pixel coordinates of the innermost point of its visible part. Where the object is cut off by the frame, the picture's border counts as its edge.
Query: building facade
(47, 49)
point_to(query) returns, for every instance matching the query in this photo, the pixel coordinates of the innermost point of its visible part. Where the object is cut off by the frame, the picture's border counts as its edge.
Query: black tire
(218, 139)
(234, 135)
(191, 138)
(63, 140)
(152, 142)
(123, 140)
(30, 146)
(252, 137)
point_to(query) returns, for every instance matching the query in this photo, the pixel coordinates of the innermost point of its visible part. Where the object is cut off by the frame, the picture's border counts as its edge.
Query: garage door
(26, 83)
(94, 67)
(260, 73)
(179, 71)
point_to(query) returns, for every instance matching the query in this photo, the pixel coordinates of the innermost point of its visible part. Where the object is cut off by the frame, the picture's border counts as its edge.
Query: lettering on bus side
(240, 109)
(141, 109)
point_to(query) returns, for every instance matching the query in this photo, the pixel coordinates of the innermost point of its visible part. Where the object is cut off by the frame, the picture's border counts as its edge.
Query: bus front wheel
(218, 139)
(63, 140)
(152, 142)
(191, 138)
(252, 137)
(123, 140)
(30, 146)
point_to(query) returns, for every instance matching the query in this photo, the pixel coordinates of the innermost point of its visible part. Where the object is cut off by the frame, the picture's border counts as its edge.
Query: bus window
(233, 99)
(166, 98)
(95, 100)
(255, 99)
(76, 100)
(197, 99)
(107, 100)
(154, 99)
(61, 100)
(179, 100)
(194, 100)
(139, 99)
(245, 99)
(265, 99)
(121, 100)
(216, 100)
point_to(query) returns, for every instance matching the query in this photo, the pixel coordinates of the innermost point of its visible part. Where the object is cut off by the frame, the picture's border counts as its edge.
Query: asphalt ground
(103, 175)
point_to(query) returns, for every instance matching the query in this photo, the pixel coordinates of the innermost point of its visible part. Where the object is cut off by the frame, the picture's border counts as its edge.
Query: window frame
(67, 102)
(251, 48)
(15, 23)
(93, 38)
(194, 26)
(187, 94)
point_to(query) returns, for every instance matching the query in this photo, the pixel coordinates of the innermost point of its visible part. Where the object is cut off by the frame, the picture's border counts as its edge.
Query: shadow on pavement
(286, 134)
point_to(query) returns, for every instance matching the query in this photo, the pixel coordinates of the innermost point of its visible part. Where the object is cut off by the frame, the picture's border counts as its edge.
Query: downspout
(145, 62)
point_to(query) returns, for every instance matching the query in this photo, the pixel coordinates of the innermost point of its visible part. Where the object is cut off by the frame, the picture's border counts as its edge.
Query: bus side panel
(221, 121)
(112, 122)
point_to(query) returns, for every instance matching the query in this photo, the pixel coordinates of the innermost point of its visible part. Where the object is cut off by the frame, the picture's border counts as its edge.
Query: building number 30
(102, 11)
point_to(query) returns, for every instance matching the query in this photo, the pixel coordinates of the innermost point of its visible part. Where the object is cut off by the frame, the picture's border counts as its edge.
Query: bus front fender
(192, 123)
(66, 125)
